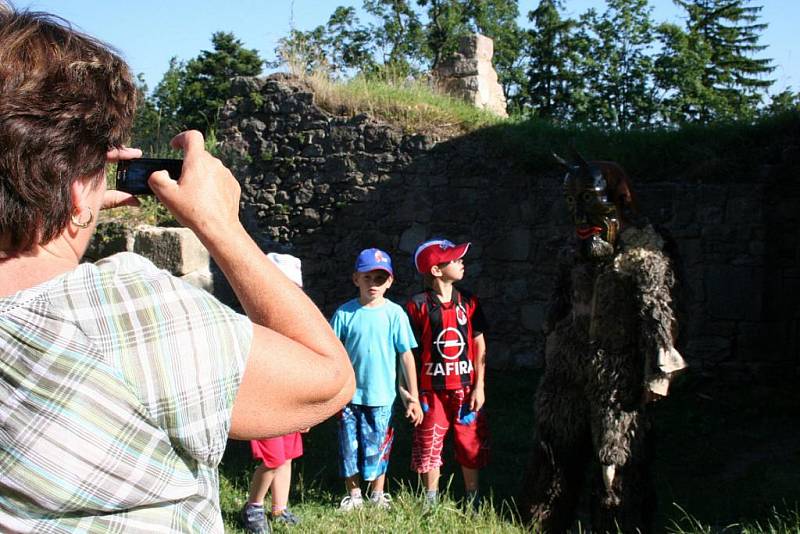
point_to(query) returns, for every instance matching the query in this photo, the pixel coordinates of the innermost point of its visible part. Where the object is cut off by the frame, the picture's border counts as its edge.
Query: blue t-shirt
(373, 338)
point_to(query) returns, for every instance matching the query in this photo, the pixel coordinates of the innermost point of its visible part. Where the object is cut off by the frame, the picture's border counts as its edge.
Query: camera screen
(132, 175)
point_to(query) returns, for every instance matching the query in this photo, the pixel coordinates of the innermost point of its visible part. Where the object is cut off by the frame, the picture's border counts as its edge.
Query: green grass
(720, 151)
(723, 152)
(725, 460)
(413, 106)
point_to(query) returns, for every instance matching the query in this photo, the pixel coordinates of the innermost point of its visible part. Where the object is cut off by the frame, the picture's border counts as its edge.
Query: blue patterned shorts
(365, 440)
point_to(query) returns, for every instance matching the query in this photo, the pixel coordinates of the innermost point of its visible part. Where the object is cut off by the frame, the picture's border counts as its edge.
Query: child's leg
(471, 440)
(353, 483)
(260, 483)
(349, 468)
(428, 441)
(378, 484)
(471, 477)
(376, 436)
(348, 444)
(281, 482)
(431, 479)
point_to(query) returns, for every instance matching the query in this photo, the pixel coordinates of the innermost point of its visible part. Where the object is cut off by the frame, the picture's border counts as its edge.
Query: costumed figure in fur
(610, 334)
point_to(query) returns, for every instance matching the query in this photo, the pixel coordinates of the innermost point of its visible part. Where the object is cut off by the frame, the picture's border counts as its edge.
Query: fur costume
(609, 350)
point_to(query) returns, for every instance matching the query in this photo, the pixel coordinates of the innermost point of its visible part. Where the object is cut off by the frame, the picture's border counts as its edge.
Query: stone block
(459, 68)
(476, 46)
(709, 348)
(469, 75)
(412, 237)
(412, 208)
(710, 214)
(109, 238)
(657, 201)
(486, 288)
(309, 218)
(175, 249)
(313, 151)
(743, 210)
(500, 357)
(733, 292)
(514, 290)
(512, 246)
(690, 251)
(201, 278)
(685, 206)
(532, 316)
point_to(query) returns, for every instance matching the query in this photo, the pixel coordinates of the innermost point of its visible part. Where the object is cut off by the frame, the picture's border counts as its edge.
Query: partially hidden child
(376, 333)
(274, 473)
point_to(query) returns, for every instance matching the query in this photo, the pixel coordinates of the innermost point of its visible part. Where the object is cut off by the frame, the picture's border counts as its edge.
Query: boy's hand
(414, 413)
(476, 399)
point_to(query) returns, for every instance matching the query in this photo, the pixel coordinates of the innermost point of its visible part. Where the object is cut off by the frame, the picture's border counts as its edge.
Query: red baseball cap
(437, 251)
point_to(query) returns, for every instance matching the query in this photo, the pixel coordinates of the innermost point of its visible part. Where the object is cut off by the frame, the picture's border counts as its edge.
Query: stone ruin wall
(324, 187)
(470, 75)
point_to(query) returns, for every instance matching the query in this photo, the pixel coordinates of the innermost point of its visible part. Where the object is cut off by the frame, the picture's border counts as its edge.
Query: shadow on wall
(324, 187)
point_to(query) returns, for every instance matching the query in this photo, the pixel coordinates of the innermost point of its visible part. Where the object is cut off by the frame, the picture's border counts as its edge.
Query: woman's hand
(206, 196)
(113, 198)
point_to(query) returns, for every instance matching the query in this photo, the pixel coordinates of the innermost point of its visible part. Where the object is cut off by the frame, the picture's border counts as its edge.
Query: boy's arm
(410, 393)
(478, 396)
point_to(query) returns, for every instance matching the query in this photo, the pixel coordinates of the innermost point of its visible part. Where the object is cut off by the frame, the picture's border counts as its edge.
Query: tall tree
(550, 75)
(398, 35)
(348, 44)
(449, 20)
(156, 120)
(497, 19)
(621, 66)
(303, 52)
(145, 121)
(731, 31)
(678, 70)
(446, 23)
(786, 100)
(205, 80)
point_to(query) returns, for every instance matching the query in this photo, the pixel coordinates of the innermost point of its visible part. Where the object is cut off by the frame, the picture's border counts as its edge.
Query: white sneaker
(381, 500)
(350, 502)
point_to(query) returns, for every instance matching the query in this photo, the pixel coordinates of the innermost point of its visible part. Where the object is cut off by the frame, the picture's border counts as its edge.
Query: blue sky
(149, 32)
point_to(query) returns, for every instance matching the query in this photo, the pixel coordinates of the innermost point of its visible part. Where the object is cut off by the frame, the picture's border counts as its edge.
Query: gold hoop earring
(79, 224)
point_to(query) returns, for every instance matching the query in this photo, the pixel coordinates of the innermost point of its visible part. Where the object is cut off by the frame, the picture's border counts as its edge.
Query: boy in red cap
(449, 325)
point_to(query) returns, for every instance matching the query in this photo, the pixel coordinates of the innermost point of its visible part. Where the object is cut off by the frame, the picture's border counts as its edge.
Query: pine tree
(551, 57)
(619, 65)
(734, 79)
(204, 82)
(678, 70)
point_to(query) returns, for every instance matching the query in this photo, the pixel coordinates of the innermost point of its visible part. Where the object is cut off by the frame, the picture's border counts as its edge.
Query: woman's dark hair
(65, 100)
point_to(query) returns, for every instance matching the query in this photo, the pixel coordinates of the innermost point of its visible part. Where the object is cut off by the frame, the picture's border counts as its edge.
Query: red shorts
(275, 451)
(444, 410)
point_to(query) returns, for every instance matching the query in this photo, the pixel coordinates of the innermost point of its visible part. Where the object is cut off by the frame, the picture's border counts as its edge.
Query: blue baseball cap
(372, 258)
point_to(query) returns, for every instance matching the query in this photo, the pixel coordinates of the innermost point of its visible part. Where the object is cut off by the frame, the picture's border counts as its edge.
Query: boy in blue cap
(374, 330)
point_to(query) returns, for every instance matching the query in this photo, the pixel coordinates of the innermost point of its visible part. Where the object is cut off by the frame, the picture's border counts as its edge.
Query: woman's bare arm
(297, 373)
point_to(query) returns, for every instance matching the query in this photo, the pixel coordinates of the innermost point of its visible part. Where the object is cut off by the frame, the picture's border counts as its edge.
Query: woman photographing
(119, 383)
